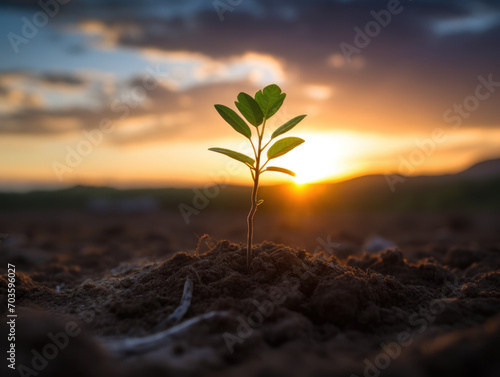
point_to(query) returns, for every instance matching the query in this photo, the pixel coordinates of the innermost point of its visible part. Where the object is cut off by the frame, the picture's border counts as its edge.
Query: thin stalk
(263, 166)
(255, 190)
(267, 144)
(251, 214)
(253, 146)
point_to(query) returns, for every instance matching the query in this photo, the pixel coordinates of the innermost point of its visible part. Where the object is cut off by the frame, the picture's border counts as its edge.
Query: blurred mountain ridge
(476, 188)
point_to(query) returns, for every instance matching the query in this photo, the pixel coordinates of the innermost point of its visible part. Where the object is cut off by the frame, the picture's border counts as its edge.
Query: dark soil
(432, 310)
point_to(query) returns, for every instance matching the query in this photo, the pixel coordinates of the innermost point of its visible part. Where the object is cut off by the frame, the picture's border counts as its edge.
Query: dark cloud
(162, 107)
(46, 78)
(61, 79)
(407, 46)
(410, 74)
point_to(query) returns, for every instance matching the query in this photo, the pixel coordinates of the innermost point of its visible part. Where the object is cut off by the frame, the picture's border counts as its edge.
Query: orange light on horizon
(323, 156)
(326, 156)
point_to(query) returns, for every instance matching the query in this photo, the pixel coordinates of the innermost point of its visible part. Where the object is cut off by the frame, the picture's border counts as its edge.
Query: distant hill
(483, 169)
(476, 188)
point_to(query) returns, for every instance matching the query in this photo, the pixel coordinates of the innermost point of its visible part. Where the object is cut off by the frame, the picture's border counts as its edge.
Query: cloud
(150, 128)
(188, 69)
(24, 90)
(319, 92)
(15, 100)
(427, 58)
(48, 78)
(60, 79)
(312, 36)
(37, 122)
(477, 22)
(162, 115)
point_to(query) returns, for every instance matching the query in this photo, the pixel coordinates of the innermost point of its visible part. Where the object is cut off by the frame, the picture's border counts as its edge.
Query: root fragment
(181, 310)
(139, 345)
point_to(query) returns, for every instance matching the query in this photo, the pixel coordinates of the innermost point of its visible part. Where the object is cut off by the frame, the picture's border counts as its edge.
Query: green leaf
(281, 170)
(270, 100)
(273, 109)
(272, 90)
(283, 146)
(234, 120)
(287, 126)
(236, 155)
(250, 109)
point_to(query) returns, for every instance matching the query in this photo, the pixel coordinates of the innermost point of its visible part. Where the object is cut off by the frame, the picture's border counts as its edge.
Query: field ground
(332, 301)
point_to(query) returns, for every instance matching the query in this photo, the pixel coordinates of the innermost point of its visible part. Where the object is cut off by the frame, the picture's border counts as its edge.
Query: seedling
(257, 110)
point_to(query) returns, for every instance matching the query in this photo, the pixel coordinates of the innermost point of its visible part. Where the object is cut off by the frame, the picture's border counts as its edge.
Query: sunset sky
(149, 72)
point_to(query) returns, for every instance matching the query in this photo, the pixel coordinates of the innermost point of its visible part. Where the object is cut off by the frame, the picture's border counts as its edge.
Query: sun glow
(321, 157)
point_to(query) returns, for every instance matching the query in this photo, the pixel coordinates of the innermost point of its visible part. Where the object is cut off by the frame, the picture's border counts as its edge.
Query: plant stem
(255, 190)
(251, 214)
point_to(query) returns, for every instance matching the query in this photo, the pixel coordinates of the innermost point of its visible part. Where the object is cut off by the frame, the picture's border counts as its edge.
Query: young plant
(257, 110)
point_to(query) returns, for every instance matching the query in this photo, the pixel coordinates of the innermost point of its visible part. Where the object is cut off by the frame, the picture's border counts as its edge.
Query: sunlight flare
(324, 156)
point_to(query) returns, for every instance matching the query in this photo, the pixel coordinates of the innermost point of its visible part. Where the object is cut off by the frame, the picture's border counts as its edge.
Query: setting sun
(322, 157)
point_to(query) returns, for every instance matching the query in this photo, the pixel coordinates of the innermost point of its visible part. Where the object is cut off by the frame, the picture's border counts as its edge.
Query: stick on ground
(181, 310)
(127, 346)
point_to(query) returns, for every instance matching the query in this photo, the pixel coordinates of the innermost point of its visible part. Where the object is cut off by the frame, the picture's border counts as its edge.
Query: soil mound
(331, 315)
